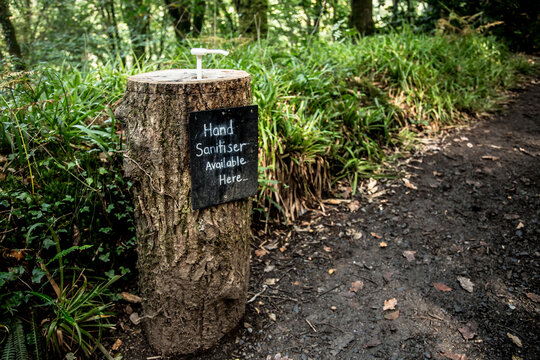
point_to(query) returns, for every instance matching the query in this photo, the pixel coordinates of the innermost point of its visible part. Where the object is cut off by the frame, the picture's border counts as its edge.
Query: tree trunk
(361, 16)
(9, 34)
(409, 11)
(137, 16)
(199, 9)
(193, 265)
(223, 10)
(179, 12)
(252, 16)
(395, 11)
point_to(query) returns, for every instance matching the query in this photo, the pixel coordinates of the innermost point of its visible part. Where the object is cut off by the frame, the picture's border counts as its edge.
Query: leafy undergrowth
(329, 112)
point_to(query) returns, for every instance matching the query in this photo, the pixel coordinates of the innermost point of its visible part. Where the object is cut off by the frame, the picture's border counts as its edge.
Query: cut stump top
(188, 76)
(174, 80)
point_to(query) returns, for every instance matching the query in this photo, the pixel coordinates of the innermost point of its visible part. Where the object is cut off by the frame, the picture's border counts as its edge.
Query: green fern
(9, 349)
(19, 341)
(15, 348)
(34, 340)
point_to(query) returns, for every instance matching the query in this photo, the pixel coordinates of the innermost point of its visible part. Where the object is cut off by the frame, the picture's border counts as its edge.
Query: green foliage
(15, 345)
(34, 339)
(79, 315)
(329, 111)
(62, 188)
(62, 145)
(518, 22)
(73, 315)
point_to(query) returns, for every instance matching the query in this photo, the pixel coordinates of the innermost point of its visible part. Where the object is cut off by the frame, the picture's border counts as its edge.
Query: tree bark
(395, 11)
(362, 16)
(252, 16)
(193, 265)
(181, 17)
(409, 11)
(9, 34)
(199, 9)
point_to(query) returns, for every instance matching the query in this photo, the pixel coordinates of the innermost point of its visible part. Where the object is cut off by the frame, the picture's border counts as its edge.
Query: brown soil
(469, 209)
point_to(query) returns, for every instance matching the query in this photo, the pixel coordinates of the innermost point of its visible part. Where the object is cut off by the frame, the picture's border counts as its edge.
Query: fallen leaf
(117, 345)
(533, 297)
(442, 287)
(387, 276)
(410, 185)
(134, 299)
(272, 246)
(374, 341)
(17, 254)
(356, 286)
(128, 309)
(271, 281)
(489, 157)
(354, 206)
(515, 339)
(327, 248)
(331, 271)
(409, 255)
(261, 252)
(453, 356)
(469, 145)
(390, 304)
(520, 226)
(269, 267)
(135, 319)
(469, 330)
(372, 185)
(272, 316)
(465, 283)
(283, 248)
(383, 244)
(392, 316)
(375, 235)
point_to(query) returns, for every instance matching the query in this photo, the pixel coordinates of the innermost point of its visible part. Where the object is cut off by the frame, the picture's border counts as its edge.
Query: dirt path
(470, 210)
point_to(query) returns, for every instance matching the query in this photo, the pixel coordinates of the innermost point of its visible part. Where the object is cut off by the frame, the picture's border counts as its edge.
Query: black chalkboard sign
(223, 146)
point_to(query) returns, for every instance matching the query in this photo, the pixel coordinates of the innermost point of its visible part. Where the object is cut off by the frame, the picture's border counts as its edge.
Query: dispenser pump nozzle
(200, 52)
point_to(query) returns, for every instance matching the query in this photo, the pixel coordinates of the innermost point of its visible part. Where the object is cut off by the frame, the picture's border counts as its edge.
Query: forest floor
(440, 264)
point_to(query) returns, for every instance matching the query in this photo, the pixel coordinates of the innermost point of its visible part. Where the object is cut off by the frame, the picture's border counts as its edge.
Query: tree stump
(193, 265)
